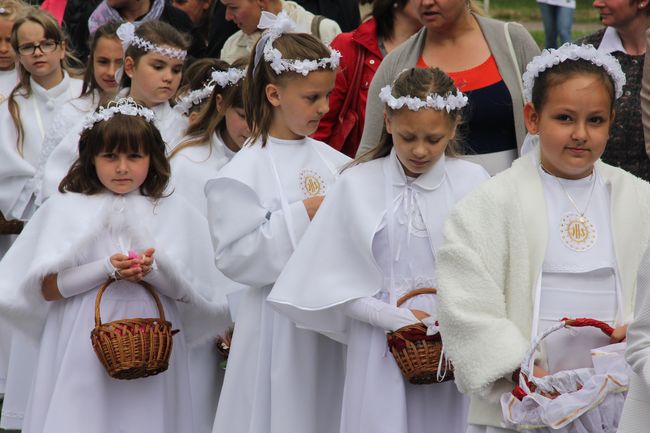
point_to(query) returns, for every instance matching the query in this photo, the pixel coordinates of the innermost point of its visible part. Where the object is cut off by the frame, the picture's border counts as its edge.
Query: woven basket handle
(525, 374)
(417, 292)
(149, 287)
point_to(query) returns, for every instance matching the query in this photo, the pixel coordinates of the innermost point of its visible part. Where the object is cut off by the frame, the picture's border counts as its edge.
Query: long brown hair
(210, 118)
(51, 30)
(258, 109)
(417, 83)
(120, 133)
(109, 31)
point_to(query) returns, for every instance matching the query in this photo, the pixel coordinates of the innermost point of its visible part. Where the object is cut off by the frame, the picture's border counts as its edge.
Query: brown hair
(158, 33)
(109, 31)
(259, 111)
(196, 76)
(418, 83)
(12, 8)
(120, 133)
(211, 119)
(51, 30)
(562, 72)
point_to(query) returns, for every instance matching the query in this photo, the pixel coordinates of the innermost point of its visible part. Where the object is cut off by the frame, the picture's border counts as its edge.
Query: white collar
(611, 42)
(430, 180)
(49, 95)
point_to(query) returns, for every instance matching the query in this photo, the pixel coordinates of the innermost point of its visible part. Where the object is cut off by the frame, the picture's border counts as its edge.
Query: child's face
(7, 55)
(573, 125)
(155, 79)
(44, 67)
(245, 13)
(236, 126)
(122, 172)
(420, 137)
(107, 59)
(300, 103)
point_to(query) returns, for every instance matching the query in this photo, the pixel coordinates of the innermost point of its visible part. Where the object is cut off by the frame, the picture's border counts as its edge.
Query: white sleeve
(80, 279)
(638, 333)
(378, 313)
(252, 244)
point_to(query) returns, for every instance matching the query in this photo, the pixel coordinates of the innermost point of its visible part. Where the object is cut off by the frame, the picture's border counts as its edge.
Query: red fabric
(56, 8)
(478, 77)
(349, 44)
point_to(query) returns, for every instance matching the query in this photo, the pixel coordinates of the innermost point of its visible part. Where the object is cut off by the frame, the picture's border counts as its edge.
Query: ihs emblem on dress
(311, 183)
(577, 232)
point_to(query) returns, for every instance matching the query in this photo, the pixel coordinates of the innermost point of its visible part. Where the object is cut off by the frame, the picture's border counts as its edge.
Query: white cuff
(80, 279)
(380, 314)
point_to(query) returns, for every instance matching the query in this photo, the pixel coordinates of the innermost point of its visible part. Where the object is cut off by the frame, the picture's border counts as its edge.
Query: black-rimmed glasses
(45, 47)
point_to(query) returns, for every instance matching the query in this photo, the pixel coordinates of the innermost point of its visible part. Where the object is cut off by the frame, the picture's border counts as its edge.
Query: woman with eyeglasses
(45, 85)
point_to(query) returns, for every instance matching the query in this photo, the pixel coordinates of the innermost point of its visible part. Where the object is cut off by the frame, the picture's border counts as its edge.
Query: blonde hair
(418, 83)
(51, 30)
(210, 118)
(13, 9)
(258, 109)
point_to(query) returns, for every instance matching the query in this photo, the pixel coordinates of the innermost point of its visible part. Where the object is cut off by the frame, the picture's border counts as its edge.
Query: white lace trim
(448, 103)
(126, 106)
(126, 33)
(275, 26)
(549, 58)
(229, 77)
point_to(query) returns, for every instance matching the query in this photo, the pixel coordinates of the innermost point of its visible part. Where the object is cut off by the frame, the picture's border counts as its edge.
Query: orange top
(478, 77)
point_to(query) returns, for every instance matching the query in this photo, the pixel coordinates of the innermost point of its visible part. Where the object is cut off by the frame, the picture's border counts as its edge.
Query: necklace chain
(591, 192)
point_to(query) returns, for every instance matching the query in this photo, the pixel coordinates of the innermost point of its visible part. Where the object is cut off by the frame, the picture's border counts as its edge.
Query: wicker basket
(132, 348)
(12, 227)
(418, 355)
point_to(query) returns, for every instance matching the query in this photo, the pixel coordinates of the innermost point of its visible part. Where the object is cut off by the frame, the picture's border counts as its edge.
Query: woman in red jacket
(392, 22)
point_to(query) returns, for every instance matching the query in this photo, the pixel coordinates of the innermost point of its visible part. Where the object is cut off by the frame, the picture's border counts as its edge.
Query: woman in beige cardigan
(485, 58)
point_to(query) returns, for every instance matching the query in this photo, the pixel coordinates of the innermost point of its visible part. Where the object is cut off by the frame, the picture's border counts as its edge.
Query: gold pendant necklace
(576, 231)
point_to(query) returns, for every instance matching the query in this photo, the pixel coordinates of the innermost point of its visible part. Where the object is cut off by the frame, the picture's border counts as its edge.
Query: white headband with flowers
(126, 106)
(549, 58)
(275, 26)
(223, 79)
(126, 33)
(449, 103)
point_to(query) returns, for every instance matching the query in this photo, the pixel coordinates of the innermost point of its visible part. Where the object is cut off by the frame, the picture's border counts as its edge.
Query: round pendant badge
(577, 232)
(311, 183)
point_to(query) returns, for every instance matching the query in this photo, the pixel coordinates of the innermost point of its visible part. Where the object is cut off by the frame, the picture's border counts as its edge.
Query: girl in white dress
(25, 116)
(9, 9)
(373, 241)
(155, 54)
(560, 234)
(215, 134)
(99, 85)
(113, 202)
(279, 378)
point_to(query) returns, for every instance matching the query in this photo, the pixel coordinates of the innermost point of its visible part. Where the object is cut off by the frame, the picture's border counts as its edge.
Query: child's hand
(619, 334)
(312, 204)
(127, 268)
(147, 260)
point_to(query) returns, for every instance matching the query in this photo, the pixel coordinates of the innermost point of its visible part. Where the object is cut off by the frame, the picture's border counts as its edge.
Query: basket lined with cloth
(419, 356)
(584, 400)
(133, 348)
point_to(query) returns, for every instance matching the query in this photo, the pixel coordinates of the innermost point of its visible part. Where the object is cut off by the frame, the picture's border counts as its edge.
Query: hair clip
(126, 33)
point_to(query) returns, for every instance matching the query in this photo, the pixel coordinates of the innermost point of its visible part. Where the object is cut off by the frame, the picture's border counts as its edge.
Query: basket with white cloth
(584, 400)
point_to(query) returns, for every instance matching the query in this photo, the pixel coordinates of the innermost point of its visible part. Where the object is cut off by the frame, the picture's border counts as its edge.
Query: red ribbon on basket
(416, 333)
(518, 391)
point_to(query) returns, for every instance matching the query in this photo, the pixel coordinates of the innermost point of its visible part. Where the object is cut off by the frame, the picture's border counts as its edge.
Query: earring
(395, 5)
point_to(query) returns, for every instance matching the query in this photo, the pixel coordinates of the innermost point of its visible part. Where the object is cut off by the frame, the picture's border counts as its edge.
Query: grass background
(526, 11)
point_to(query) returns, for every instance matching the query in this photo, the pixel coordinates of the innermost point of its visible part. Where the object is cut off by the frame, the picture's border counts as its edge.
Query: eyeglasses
(45, 47)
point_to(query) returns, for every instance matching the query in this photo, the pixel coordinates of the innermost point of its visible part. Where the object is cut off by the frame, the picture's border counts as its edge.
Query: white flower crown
(275, 26)
(434, 101)
(126, 33)
(223, 79)
(126, 106)
(549, 58)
